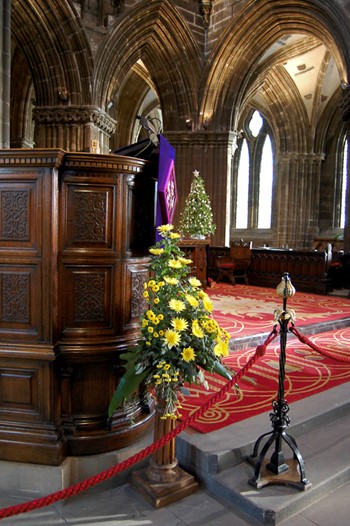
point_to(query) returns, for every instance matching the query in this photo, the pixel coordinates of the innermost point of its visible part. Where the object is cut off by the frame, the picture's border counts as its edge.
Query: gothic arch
(159, 36)
(250, 34)
(56, 49)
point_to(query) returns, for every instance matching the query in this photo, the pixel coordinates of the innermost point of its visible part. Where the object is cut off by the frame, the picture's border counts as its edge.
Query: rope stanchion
(114, 470)
(325, 352)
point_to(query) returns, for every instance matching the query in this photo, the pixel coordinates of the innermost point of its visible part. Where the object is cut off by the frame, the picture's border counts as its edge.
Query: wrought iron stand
(279, 470)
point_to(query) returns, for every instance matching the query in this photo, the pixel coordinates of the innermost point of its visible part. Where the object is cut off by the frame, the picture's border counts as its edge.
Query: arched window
(344, 184)
(254, 187)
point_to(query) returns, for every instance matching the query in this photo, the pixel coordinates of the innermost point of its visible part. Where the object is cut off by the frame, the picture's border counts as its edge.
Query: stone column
(5, 72)
(73, 128)
(211, 154)
(346, 118)
(297, 199)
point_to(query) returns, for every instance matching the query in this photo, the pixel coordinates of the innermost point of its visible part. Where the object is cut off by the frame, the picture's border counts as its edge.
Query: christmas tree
(196, 219)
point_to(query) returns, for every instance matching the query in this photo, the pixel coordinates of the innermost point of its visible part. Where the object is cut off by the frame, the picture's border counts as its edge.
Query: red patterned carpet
(246, 310)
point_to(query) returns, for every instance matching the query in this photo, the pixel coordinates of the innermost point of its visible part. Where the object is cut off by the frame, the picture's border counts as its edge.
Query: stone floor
(122, 506)
(321, 426)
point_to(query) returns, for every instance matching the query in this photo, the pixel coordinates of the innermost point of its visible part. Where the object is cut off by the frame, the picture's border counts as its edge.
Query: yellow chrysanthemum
(188, 354)
(177, 305)
(221, 349)
(174, 235)
(174, 263)
(156, 301)
(150, 314)
(172, 338)
(171, 281)
(156, 251)
(145, 294)
(194, 282)
(179, 324)
(185, 261)
(192, 300)
(207, 304)
(165, 228)
(196, 329)
(151, 283)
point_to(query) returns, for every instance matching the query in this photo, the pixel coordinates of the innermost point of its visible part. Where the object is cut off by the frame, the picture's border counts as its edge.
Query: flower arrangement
(179, 337)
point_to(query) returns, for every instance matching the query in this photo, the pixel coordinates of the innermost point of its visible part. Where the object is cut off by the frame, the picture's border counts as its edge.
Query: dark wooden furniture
(308, 269)
(196, 249)
(74, 236)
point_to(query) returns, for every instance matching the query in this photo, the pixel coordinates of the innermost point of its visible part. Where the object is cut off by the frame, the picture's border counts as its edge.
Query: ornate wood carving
(72, 269)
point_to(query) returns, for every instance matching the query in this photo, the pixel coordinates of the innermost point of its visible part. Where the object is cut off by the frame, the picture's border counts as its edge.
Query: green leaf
(128, 385)
(221, 370)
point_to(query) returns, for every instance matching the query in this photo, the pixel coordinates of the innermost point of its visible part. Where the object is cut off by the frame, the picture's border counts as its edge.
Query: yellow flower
(185, 261)
(155, 288)
(221, 349)
(156, 251)
(179, 324)
(174, 263)
(156, 301)
(172, 338)
(150, 315)
(207, 304)
(171, 281)
(151, 283)
(192, 300)
(150, 329)
(165, 228)
(177, 305)
(196, 330)
(188, 354)
(145, 294)
(160, 317)
(194, 282)
(174, 235)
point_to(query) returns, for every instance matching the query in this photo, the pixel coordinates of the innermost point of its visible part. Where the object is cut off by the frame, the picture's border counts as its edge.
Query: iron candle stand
(279, 470)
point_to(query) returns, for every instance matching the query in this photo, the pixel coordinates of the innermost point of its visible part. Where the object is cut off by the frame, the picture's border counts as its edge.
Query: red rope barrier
(114, 470)
(325, 352)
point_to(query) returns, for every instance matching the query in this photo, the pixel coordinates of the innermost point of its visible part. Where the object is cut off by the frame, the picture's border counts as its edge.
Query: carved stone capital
(75, 116)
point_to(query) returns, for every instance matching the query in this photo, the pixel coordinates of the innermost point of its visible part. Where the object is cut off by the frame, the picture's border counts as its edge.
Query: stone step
(320, 425)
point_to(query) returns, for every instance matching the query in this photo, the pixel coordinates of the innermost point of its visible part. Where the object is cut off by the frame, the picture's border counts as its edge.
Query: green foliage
(179, 337)
(197, 216)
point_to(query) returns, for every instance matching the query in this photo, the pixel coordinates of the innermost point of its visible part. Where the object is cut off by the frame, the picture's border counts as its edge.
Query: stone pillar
(73, 128)
(5, 72)
(346, 118)
(297, 199)
(211, 154)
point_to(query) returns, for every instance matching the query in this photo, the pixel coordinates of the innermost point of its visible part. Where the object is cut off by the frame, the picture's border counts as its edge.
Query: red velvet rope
(114, 470)
(325, 352)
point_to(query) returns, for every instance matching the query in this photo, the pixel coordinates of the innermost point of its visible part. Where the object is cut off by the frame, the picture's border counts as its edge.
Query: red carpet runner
(307, 373)
(244, 310)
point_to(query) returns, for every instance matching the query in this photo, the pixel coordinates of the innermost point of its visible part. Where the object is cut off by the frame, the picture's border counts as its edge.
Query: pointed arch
(57, 51)
(155, 33)
(255, 28)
